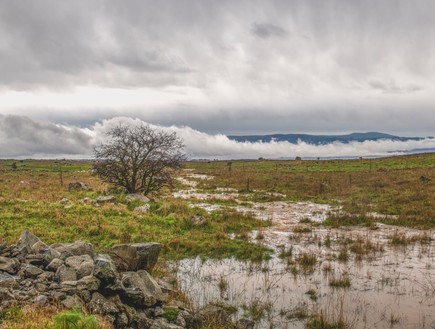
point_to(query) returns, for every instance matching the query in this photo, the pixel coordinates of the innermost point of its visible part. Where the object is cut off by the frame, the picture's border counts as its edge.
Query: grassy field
(402, 186)
(31, 191)
(30, 195)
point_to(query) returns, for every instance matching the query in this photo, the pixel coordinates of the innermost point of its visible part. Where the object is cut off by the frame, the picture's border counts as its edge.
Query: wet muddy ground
(377, 277)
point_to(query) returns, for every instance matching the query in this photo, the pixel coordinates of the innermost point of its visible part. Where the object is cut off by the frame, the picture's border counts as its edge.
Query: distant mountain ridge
(321, 139)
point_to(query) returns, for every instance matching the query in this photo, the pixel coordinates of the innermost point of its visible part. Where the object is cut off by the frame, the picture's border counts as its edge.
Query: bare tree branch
(140, 158)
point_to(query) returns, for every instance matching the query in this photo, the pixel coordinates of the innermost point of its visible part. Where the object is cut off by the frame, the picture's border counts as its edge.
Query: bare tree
(139, 158)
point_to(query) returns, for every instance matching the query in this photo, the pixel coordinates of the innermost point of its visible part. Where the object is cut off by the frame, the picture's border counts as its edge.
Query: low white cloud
(23, 137)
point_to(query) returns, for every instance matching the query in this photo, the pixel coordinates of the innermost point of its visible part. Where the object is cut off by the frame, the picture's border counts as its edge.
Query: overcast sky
(228, 66)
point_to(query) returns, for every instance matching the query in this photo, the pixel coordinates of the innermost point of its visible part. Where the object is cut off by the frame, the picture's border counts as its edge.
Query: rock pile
(117, 285)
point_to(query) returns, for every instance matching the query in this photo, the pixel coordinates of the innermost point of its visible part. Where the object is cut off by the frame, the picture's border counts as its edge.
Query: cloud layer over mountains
(21, 137)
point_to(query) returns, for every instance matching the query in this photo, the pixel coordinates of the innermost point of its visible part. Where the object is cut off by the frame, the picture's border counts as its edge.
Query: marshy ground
(370, 276)
(290, 244)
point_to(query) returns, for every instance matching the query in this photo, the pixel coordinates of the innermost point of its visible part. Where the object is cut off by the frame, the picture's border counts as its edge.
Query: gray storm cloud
(22, 137)
(223, 66)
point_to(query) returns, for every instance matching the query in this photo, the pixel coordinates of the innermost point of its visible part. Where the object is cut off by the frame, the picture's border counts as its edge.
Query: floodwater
(384, 275)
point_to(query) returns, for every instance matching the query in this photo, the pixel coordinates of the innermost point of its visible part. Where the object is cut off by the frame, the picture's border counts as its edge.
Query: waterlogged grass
(30, 200)
(401, 186)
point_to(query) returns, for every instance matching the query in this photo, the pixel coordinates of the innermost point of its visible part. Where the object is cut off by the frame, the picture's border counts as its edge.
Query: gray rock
(35, 259)
(213, 315)
(89, 282)
(71, 302)
(140, 290)
(86, 200)
(50, 254)
(78, 186)
(77, 248)
(31, 271)
(104, 199)
(41, 287)
(101, 305)
(104, 269)
(26, 241)
(66, 274)
(45, 277)
(68, 285)
(83, 265)
(136, 256)
(9, 265)
(137, 197)
(8, 281)
(64, 201)
(38, 247)
(152, 285)
(55, 264)
(127, 311)
(41, 299)
(58, 296)
(142, 209)
(164, 324)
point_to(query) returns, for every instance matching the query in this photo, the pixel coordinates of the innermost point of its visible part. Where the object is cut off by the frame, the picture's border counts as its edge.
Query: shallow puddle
(380, 278)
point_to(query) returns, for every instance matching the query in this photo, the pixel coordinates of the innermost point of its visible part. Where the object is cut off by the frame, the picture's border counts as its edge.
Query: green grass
(30, 200)
(390, 186)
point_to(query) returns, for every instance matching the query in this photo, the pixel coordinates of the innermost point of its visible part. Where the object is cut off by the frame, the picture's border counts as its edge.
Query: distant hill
(321, 139)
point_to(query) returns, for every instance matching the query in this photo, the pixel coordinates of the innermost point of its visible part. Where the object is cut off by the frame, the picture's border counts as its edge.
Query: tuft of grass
(340, 282)
(302, 229)
(312, 294)
(170, 313)
(343, 255)
(320, 321)
(256, 309)
(307, 261)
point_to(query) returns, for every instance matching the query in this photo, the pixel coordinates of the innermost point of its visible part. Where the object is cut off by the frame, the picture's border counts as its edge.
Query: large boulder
(77, 248)
(136, 256)
(105, 269)
(89, 282)
(26, 242)
(83, 265)
(65, 273)
(140, 289)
